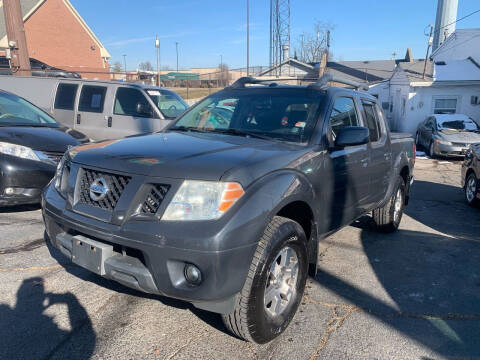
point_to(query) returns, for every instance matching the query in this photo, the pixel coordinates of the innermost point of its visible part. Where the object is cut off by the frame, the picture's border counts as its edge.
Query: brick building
(57, 35)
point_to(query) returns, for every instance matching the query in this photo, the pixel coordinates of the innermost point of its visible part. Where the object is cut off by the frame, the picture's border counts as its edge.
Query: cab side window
(131, 102)
(371, 120)
(343, 114)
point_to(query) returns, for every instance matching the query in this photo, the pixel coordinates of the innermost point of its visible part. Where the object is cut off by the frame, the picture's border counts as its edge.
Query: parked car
(101, 109)
(471, 175)
(39, 69)
(229, 217)
(31, 146)
(447, 134)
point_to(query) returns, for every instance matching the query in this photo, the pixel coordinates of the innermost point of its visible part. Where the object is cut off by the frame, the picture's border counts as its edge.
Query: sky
(208, 30)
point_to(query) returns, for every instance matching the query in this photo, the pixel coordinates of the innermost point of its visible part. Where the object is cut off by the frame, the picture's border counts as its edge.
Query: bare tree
(224, 75)
(311, 45)
(146, 66)
(117, 67)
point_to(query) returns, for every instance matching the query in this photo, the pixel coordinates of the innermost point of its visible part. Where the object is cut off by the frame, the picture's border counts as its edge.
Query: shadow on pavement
(27, 332)
(433, 280)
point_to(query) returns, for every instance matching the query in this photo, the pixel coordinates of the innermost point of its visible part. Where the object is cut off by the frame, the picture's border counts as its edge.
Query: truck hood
(467, 137)
(198, 156)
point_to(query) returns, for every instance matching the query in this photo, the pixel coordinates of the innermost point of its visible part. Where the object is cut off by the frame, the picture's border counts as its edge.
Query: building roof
(28, 9)
(414, 70)
(362, 71)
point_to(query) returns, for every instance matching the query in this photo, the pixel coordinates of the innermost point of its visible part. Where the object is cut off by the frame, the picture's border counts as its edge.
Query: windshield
(284, 116)
(17, 111)
(170, 104)
(468, 125)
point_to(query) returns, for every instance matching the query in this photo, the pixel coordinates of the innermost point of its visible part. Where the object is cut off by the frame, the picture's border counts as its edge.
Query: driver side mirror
(352, 135)
(143, 109)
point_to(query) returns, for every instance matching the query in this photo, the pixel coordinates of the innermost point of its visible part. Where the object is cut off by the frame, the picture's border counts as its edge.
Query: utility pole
(176, 45)
(221, 67)
(17, 41)
(430, 42)
(125, 64)
(248, 37)
(157, 47)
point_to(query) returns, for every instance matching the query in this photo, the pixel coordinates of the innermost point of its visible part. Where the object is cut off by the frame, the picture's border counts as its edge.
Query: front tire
(389, 216)
(275, 283)
(431, 150)
(471, 190)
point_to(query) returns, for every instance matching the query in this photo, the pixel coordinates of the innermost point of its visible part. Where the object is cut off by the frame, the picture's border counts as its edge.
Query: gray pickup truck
(226, 207)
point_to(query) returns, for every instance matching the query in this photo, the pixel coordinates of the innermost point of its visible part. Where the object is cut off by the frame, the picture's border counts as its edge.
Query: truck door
(64, 105)
(132, 114)
(346, 169)
(380, 165)
(90, 118)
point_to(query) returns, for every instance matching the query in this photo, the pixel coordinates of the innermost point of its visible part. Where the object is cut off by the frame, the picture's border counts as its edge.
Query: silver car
(447, 134)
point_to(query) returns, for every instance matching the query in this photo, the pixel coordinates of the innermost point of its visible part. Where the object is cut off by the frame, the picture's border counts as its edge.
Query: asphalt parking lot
(414, 294)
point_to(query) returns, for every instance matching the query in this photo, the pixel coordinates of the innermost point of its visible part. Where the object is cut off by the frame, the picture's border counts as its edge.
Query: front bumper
(147, 256)
(449, 150)
(27, 177)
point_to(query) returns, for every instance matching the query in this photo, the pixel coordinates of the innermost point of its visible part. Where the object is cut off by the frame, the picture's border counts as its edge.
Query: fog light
(14, 191)
(193, 274)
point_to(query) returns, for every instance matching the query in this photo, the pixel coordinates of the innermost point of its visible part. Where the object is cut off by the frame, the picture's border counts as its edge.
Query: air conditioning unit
(474, 100)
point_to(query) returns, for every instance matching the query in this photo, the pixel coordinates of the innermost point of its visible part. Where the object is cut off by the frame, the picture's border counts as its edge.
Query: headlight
(58, 174)
(18, 151)
(443, 142)
(202, 200)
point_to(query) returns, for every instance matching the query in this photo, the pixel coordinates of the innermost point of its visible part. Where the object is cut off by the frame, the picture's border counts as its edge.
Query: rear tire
(389, 216)
(255, 317)
(471, 190)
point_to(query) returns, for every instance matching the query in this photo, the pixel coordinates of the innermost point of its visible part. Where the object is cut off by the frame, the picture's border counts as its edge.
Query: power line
(456, 21)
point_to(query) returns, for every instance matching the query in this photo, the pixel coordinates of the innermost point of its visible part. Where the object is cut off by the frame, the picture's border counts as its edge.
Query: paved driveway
(414, 294)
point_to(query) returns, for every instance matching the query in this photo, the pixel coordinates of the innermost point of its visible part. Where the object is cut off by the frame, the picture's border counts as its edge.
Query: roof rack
(322, 83)
(240, 83)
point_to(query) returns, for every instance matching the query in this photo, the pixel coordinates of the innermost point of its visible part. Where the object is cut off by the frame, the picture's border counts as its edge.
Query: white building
(451, 84)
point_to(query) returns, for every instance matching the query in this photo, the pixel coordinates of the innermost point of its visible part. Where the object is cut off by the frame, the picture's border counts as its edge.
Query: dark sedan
(31, 145)
(39, 69)
(471, 175)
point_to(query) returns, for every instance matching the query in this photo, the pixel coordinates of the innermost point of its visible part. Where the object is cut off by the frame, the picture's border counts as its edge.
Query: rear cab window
(65, 98)
(92, 98)
(371, 120)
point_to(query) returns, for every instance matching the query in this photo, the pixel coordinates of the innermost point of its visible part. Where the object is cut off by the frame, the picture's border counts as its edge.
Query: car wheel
(431, 150)
(471, 190)
(275, 283)
(389, 216)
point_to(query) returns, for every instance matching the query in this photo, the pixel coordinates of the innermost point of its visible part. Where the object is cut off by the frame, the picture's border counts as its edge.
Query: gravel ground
(414, 294)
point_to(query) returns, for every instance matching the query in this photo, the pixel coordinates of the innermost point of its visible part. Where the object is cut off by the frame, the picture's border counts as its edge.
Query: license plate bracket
(90, 254)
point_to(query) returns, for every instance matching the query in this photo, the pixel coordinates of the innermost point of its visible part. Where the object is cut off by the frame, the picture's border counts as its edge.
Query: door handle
(109, 121)
(79, 117)
(364, 162)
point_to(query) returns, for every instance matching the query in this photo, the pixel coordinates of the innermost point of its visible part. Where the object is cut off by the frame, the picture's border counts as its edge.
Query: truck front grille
(115, 183)
(154, 198)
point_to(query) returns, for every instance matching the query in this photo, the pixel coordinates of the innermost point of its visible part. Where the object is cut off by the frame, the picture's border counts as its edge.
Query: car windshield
(468, 125)
(287, 116)
(170, 104)
(18, 112)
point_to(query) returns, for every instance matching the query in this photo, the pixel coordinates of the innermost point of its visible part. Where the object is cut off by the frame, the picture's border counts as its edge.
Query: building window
(445, 105)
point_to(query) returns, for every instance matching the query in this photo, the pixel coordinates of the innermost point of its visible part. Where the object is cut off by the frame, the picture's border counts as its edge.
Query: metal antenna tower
(279, 31)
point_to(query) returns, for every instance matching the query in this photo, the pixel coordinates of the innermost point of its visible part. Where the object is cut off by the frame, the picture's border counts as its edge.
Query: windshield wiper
(187, 128)
(238, 132)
